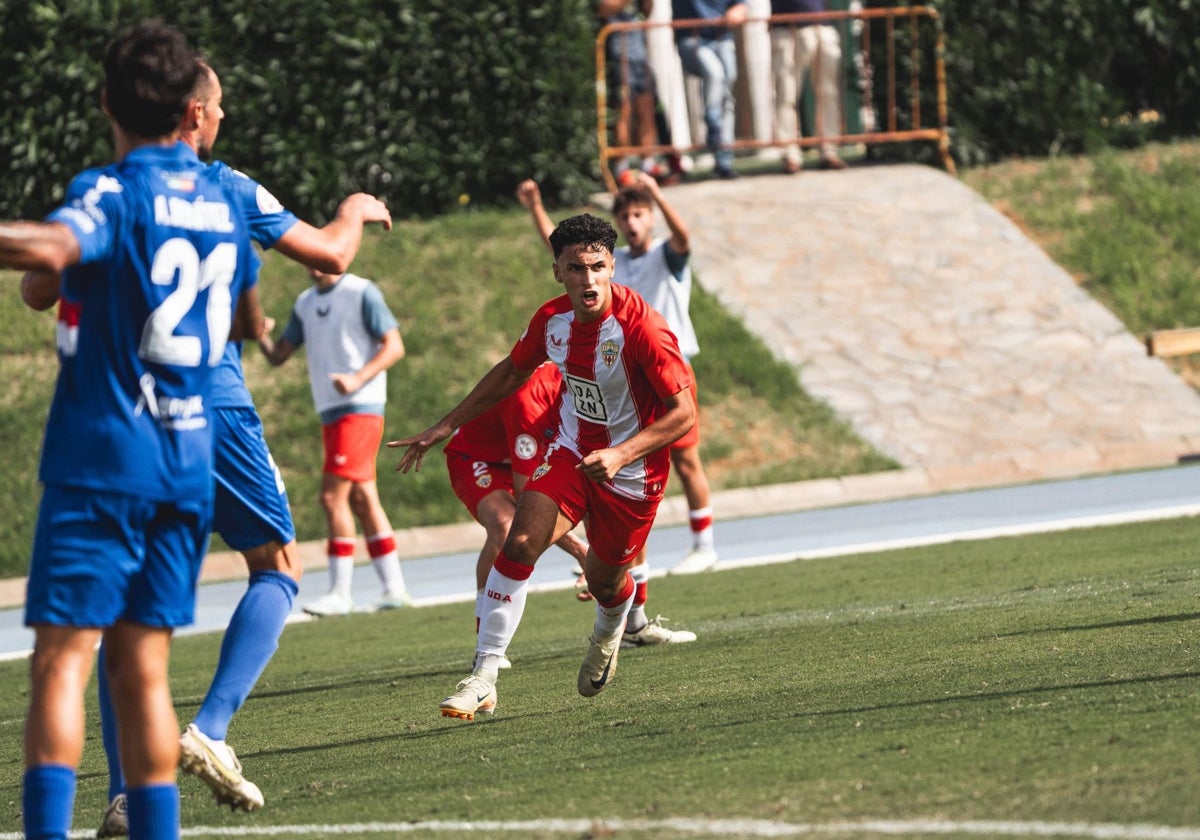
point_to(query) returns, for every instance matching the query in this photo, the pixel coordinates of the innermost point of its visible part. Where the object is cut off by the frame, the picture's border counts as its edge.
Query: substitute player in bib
(352, 339)
(627, 396)
(156, 263)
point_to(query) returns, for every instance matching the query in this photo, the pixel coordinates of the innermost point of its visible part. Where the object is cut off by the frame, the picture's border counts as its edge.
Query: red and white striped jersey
(617, 371)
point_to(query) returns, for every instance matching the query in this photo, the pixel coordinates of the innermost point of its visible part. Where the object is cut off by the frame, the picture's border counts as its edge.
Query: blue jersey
(144, 319)
(268, 220)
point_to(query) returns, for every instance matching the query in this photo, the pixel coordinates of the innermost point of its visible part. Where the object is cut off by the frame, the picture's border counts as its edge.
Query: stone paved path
(932, 324)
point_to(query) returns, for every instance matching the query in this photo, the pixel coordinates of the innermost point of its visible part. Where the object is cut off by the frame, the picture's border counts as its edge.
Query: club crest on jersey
(483, 481)
(542, 470)
(609, 352)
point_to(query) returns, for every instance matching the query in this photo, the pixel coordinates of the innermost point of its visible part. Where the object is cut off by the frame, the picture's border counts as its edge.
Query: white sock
(388, 569)
(702, 527)
(341, 575)
(503, 606)
(611, 619)
(637, 613)
(385, 559)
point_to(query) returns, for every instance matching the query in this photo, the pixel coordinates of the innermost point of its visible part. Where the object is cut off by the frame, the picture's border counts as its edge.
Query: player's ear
(191, 115)
(557, 276)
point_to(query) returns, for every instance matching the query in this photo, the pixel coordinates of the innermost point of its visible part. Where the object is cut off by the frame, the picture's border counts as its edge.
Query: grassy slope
(462, 287)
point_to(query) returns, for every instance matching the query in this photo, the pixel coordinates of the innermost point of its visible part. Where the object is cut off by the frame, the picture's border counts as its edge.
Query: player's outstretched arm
(49, 246)
(333, 247)
(496, 384)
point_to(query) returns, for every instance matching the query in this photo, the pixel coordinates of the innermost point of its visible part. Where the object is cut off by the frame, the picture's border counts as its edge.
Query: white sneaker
(214, 763)
(392, 602)
(697, 560)
(600, 664)
(331, 603)
(116, 818)
(475, 694)
(653, 633)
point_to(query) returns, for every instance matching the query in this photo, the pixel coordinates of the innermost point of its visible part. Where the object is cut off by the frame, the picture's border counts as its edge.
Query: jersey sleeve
(377, 317)
(92, 210)
(293, 333)
(267, 218)
(530, 349)
(657, 351)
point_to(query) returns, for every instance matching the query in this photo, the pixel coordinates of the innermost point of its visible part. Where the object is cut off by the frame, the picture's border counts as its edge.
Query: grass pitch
(1043, 685)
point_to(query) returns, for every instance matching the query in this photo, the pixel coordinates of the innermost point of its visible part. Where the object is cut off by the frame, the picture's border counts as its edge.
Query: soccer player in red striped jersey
(627, 396)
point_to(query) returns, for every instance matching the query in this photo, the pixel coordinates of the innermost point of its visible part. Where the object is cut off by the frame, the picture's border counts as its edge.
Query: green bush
(427, 104)
(1043, 76)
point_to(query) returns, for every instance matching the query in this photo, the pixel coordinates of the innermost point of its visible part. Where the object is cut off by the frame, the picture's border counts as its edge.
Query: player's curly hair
(584, 229)
(150, 72)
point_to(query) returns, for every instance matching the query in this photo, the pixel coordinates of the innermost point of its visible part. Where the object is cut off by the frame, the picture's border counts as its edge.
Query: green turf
(1051, 678)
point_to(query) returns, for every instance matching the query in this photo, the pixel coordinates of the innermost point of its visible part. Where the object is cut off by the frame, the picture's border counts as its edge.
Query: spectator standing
(352, 340)
(709, 53)
(625, 399)
(798, 49)
(630, 74)
(126, 468)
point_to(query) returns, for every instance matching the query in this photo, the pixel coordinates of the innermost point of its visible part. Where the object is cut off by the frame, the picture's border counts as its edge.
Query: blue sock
(48, 799)
(249, 643)
(108, 730)
(154, 812)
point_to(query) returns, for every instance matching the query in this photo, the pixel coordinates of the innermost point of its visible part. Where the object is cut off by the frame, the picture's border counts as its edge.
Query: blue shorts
(102, 556)
(251, 506)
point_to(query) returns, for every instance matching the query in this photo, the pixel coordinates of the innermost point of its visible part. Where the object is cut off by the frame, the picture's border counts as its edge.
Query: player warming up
(352, 339)
(626, 397)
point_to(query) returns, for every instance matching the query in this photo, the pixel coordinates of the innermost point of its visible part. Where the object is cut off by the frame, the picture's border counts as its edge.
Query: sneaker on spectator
(331, 603)
(653, 633)
(697, 560)
(214, 763)
(116, 818)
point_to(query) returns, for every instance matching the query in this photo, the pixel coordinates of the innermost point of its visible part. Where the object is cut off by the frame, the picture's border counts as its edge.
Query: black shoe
(725, 173)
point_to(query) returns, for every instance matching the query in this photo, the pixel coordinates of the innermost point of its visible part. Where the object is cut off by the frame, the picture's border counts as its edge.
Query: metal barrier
(862, 20)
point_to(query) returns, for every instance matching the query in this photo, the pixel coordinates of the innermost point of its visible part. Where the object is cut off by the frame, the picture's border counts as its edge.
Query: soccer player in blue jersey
(252, 511)
(157, 268)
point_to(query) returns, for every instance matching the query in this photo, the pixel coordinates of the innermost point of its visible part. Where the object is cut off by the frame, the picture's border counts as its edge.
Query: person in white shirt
(352, 339)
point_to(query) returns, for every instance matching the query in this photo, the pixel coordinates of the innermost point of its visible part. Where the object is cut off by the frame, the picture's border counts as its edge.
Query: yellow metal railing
(890, 132)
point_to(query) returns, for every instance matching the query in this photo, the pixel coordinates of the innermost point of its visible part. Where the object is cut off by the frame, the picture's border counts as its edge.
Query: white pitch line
(712, 828)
